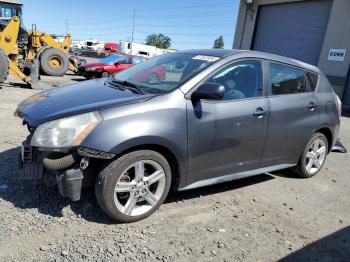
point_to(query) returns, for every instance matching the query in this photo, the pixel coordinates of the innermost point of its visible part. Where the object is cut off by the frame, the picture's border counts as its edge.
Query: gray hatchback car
(210, 116)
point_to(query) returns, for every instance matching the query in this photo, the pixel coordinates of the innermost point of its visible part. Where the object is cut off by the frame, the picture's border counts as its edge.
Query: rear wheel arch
(328, 134)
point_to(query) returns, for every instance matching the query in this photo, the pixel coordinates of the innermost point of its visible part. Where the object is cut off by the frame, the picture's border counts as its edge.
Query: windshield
(164, 73)
(7, 11)
(112, 58)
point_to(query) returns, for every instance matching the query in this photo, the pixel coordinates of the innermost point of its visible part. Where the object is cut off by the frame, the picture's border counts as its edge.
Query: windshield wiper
(130, 86)
(115, 84)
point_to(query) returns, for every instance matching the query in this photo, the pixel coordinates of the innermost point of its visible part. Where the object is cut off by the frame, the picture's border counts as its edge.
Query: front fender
(159, 121)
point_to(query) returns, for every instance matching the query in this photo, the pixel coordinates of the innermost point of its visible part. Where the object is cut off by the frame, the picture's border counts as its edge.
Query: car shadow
(47, 200)
(79, 79)
(25, 194)
(16, 85)
(334, 247)
(286, 173)
(175, 196)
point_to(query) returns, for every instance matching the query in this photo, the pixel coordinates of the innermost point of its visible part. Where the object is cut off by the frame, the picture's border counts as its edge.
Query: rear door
(293, 114)
(228, 135)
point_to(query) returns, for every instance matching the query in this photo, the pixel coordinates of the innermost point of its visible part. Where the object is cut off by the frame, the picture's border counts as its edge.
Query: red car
(116, 63)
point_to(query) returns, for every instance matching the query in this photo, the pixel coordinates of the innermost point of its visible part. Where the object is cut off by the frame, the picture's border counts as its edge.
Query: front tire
(133, 186)
(54, 62)
(4, 66)
(313, 157)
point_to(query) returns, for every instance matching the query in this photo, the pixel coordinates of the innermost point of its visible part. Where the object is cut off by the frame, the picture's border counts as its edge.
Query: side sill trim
(235, 176)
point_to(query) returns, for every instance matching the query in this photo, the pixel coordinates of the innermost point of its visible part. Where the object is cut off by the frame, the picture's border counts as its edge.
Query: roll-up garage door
(346, 98)
(294, 30)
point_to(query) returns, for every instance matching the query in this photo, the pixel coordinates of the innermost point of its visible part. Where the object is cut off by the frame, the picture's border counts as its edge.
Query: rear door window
(286, 80)
(312, 79)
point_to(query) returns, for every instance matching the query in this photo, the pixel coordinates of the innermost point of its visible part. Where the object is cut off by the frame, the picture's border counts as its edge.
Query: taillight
(338, 104)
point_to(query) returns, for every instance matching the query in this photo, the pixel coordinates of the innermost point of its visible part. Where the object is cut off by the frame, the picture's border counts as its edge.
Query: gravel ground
(263, 218)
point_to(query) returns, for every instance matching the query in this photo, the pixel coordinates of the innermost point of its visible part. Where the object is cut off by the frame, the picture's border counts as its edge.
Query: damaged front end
(52, 153)
(68, 169)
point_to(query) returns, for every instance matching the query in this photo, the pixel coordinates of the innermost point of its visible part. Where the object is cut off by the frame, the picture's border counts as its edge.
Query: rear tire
(54, 62)
(133, 186)
(313, 157)
(4, 66)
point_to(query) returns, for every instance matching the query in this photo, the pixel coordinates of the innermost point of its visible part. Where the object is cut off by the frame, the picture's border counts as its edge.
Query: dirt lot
(264, 218)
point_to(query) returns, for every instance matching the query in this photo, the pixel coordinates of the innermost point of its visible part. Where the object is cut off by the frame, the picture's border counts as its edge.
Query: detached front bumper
(53, 168)
(68, 169)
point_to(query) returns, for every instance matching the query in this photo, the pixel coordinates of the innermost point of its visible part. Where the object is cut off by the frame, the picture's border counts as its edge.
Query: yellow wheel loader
(28, 53)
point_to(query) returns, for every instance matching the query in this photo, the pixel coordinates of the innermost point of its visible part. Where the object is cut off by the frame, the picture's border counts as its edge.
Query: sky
(189, 23)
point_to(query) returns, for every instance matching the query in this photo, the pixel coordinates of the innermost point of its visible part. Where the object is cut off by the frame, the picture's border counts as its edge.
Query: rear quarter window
(312, 79)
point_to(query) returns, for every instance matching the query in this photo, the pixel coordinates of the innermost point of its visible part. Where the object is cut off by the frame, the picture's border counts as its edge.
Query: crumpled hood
(87, 96)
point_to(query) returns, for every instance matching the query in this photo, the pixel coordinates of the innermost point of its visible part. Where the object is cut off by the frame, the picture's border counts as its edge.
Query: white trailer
(91, 45)
(132, 48)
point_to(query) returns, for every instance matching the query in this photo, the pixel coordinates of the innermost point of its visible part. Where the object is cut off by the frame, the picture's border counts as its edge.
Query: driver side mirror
(117, 63)
(212, 91)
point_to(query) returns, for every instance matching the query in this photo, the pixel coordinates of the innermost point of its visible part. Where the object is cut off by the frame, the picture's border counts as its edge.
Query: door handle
(259, 112)
(311, 106)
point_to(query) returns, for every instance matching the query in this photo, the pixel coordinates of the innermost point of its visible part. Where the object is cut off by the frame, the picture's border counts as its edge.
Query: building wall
(337, 36)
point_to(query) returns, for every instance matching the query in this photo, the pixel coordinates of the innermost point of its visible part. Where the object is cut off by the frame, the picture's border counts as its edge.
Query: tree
(219, 42)
(160, 41)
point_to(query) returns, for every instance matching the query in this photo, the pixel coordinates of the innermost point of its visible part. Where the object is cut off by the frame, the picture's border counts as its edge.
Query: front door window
(241, 80)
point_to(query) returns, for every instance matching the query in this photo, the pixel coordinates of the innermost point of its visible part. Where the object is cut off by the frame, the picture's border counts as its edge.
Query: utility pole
(66, 26)
(133, 31)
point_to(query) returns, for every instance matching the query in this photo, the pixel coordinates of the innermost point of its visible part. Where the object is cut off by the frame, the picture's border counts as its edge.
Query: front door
(228, 136)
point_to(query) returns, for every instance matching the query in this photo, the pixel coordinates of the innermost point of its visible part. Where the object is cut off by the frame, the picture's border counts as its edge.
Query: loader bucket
(36, 83)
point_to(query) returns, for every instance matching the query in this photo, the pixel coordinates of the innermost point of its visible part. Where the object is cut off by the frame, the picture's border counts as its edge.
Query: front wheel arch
(112, 173)
(169, 155)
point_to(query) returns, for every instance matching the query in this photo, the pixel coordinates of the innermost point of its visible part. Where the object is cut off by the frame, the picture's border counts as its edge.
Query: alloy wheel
(315, 156)
(139, 188)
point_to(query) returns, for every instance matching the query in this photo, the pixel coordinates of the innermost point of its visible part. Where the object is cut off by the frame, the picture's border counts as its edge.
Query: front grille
(32, 166)
(26, 153)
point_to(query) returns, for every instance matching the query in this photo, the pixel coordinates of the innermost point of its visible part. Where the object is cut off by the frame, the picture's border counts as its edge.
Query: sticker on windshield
(205, 58)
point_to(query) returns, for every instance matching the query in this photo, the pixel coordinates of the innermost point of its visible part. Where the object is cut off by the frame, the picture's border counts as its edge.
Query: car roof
(210, 52)
(250, 54)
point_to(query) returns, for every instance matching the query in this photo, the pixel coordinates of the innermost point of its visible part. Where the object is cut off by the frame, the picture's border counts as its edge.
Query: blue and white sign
(336, 55)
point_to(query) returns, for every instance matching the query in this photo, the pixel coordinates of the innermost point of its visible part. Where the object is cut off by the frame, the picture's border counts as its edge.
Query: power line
(113, 16)
(193, 15)
(181, 34)
(193, 6)
(184, 26)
